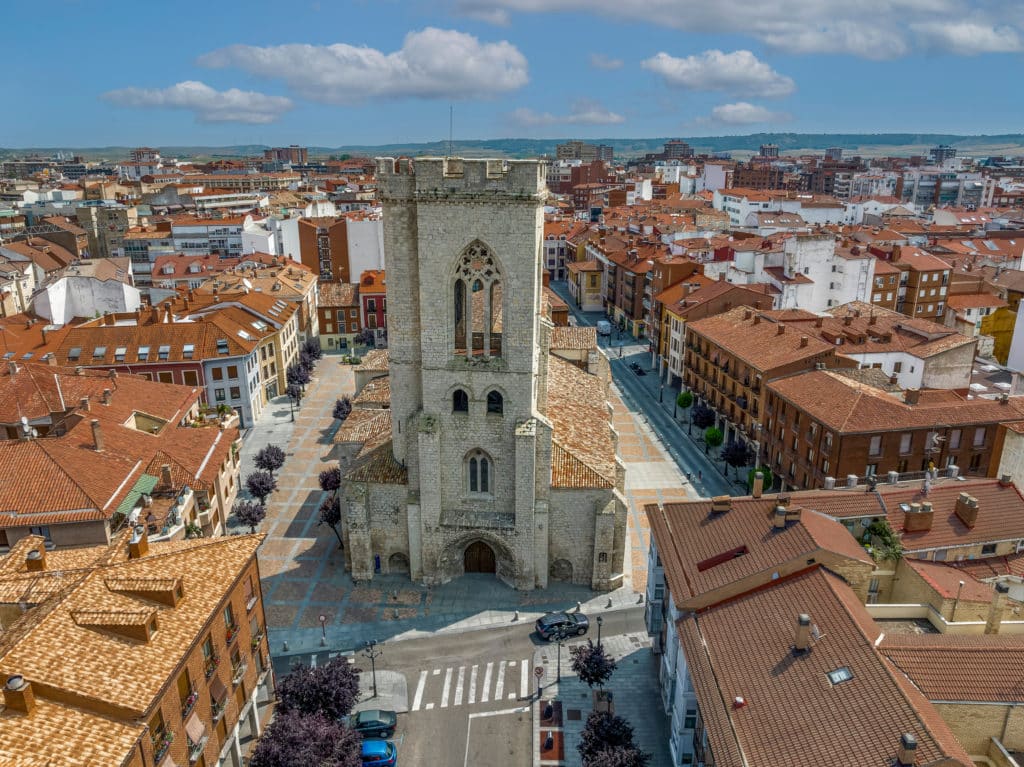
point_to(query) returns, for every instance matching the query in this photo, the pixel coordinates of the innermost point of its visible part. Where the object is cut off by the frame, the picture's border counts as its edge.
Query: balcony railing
(256, 639)
(195, 750)
(210, 665)
(231, 634)
(238, 671)
(218, 709)
(189, 703)
(161, 742)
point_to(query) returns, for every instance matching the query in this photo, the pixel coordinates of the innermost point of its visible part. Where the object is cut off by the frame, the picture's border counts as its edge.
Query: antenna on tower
(451, 127)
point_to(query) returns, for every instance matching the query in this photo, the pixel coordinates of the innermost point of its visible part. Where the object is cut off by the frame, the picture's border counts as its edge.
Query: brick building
(339, 308)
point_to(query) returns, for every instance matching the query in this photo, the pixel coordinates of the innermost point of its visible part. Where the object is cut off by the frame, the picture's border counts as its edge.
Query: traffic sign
(538, 672)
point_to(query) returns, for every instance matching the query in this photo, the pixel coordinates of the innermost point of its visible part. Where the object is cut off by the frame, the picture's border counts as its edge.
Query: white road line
(312, 660)
(418, 699)
(524, 679)
(436, 671)
(477, 715)
(447, 687)
(428, 707)
(458, 686)
(485, 693)
(511, 696)
(499, 684)
(472, 685)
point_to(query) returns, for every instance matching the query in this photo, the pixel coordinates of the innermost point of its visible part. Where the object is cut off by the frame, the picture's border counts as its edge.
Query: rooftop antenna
(451, 127)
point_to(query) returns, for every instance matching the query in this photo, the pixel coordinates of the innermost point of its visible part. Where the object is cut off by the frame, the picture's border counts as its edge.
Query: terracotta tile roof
(577, 407)
(377, 392)
(992, 567)
(946, 580)
(374, 361)
(574, 337)
(338, 294)
(569, 471)
(584, 266)
(952, 667)
(373, 281)
(694, 303)
(369, 427)
(975, 301)
(381, 468)
(792, 714)
(918, 260)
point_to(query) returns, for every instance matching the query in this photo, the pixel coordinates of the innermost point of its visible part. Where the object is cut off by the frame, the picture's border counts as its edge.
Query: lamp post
(372, 652)
(661, 391)
(291, 410)
(559, 640)
(600, 620)
(323, 630)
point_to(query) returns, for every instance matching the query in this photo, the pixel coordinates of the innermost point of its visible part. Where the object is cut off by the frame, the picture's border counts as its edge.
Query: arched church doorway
(479, 558)
(398, 563)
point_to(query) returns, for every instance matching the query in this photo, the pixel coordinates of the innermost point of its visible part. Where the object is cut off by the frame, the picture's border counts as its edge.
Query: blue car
(379, 753)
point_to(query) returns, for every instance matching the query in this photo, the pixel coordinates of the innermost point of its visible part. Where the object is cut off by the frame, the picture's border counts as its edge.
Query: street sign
(323, 618)
(538, 672)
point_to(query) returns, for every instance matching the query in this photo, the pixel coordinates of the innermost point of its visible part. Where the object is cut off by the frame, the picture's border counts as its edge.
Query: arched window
(495, 402)
(479, 473)
(460, 401)
(477, 299)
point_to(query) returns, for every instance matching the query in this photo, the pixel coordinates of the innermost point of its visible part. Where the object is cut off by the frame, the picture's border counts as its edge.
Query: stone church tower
(472, 439)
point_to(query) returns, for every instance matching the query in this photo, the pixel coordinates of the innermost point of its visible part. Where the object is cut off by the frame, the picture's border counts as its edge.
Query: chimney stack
(165, 475)
(803, 341)
(112, 375)
(995, 611)
(848, 320)
(919, 518)
(138, 546)
(35, 560)
(907, 753)
(12, 367)
(84, 404)
(781, 329)
(1005, 480)
(721, 504)
(18, 695)
(758, 484)
(967, 509)
(154, 314)
(779, 518)
(803, 633)
(819, 322)
(747, 314)
(97, 436)
(911, 396)
(106, 396)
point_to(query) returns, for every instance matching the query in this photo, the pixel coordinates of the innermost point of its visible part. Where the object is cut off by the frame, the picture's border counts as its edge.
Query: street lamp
(559, 640)
(661, 391)
(372, 652)
(600, 620)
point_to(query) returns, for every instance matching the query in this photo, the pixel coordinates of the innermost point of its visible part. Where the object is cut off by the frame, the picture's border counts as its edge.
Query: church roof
(578, 409)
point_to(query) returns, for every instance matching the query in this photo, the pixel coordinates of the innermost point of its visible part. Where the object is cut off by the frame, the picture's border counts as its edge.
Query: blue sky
(111, 72)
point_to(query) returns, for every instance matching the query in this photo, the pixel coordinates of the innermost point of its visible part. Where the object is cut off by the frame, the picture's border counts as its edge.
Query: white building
(88, 289)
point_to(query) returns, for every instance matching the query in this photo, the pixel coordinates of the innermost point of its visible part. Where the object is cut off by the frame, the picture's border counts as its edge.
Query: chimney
(747, 314)
(894, 378)
(757, 319)
(919, 518)
(106, 396)
(154, 314)
(84, 404)
(967, 509)
(872, 319)
(43, 331)
(721, 504)
(112, 375)
(995, 611)
(780, 330)
(819, 321)
(758, 484)
(18, 695)
(165, 475)
(803, 341)
(848, 320)
(911, 396)
(907, 753)
(35, 560)
(12, 367)
(779, 518)
(1004, 399)
(138, 546)
(803, 633)
(97, 436)
(1005, 480)
(79, 370)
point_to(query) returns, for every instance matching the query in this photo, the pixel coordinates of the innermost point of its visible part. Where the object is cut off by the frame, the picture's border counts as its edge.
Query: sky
(350, 72)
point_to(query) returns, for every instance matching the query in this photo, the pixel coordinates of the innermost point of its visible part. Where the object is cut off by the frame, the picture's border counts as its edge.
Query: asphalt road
(470, 694)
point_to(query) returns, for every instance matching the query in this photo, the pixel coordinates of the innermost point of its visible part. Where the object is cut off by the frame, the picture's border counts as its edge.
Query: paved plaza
(303, 570)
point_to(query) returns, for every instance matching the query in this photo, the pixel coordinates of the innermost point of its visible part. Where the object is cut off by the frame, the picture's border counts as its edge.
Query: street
(470, 694)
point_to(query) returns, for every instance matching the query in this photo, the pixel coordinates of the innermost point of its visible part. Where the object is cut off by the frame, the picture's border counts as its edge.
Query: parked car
(374, 723)
(378, 753)
(604, 328)
(556, 625)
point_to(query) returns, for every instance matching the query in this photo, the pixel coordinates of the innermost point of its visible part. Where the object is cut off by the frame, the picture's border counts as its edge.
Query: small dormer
(166, 591)
(140, 624)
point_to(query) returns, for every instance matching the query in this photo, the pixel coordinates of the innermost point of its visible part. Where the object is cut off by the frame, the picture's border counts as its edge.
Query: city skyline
(387, 73)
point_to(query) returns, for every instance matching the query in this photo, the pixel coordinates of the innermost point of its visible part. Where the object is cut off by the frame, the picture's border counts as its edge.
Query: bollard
(608, 606)
(640, 599)
(515, 617)
(579, 606)
(286, 646)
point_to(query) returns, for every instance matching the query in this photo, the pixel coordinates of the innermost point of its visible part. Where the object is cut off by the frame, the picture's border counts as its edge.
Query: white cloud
(744, 113)
(208, 104)
(968, 38)
(432, 63)
(602, 61)
(740, 73)
(873, 29)
(582, 112)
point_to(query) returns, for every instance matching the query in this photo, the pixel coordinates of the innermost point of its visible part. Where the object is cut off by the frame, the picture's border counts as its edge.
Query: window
(218, 394)
(327, 313)
(871, 470)
(876, 445)
(74, 353)
(43, 531)
(954, 439)
(218, 374)
(99, 352)
(222, 346)
(897, 367)
(236, 392)
(229, 619)
(232, 371)
(353, 313)
(188, 351)
(690, 720)
(979, 436)
(164, 352)
(165, 376)
(479, 471)
(840, 675)
(371, 305)
(460, 401)
(190, 378)
(988, 548)
(495, 403)
(905, 440)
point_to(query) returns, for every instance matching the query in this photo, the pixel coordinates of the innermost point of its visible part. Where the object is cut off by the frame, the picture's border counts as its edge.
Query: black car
(374, 723)
(555, 625)
(640, 371)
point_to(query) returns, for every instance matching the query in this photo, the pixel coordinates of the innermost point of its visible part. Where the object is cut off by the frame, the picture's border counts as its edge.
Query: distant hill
(867, 144)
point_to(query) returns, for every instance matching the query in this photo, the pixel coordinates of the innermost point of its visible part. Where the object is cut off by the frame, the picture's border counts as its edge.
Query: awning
(217, 689)
(195, 728)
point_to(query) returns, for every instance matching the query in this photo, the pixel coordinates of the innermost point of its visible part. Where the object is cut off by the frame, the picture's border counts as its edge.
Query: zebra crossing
(472, 685)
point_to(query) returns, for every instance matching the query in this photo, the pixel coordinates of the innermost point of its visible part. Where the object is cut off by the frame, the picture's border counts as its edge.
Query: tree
(330, 689)
(249, 513)
(260, 484)
(330, 479)
(702, 416)
(684, 400)
(313, 348)
(602, 732)
(294, 391)
(295, 740)
(365, 337)
(330, 515)
(298, 375)
(342, 408)
(592, 664)
(712, 437)
(736, 454)
(620, 756)
(270, 458)
(766, 473)
(306, 360)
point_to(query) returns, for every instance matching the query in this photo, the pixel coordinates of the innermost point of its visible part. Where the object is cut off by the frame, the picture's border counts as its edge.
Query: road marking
(524, 680)
(312, 660)
(458, 686)
(479, 714)
(511, 696)
(428, 707)
(472, 685)
(418, 699)
(485, 694)
(499, 685)
(437, 671)
(447, 687)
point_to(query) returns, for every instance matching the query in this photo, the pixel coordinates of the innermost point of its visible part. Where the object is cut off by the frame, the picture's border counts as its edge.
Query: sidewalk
(634, 686)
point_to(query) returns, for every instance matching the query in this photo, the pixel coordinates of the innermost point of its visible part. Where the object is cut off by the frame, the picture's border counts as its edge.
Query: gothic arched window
(460, 401)
(477, 303)
(479, 473)
(495, 402)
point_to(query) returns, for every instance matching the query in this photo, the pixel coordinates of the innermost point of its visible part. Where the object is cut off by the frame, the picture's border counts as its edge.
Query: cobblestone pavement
(303, 569)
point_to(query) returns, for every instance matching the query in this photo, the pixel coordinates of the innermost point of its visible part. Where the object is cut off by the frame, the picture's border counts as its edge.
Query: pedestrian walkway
(635, 697)
(477, 684)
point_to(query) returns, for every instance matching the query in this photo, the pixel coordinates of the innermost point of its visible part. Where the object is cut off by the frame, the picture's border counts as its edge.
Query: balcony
(195, 750)
(257, 638)
(161, 743)
(217, 709)
(189, 703)
(231, 634)
(210, 665)
(238, 671)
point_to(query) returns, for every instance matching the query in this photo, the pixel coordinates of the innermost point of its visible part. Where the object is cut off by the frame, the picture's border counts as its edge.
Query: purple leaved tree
(342, 408)
(619, 756)
(294, 739)
(249, 513)
(260, 485)
(330, 514)
(270, 458)
(331, 689)
(604, 731)
(330, 479)
(592, 664)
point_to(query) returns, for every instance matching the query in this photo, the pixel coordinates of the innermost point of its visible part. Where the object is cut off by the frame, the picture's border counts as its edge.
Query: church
(481, 439)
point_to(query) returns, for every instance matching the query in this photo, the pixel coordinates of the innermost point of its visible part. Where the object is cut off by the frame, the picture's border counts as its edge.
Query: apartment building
(219, 236)
(98, 451)
(885, 290)
(17, 282)
(248, 182)
(374, 304)
(827, 424)
(924, 280)
(171, 664)
(585, 279)
(106, 223)
(339, 314)
(340, 249)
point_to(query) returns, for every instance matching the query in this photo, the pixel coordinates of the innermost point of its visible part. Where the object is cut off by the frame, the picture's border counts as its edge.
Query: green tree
(684, 400)
(712, 437)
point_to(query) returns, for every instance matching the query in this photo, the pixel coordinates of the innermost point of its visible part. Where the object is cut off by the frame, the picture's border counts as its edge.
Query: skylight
(188, 350)
(119, 353)
(99, 352)
(840, 675)
(143, 353)
(74, 353)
